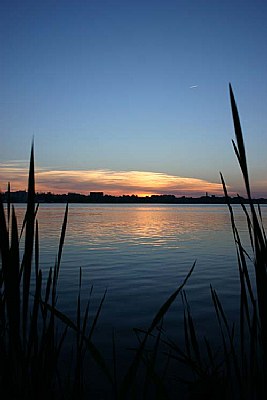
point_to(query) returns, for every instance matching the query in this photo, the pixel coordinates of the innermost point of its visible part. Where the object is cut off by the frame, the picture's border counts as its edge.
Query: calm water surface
(140, 254)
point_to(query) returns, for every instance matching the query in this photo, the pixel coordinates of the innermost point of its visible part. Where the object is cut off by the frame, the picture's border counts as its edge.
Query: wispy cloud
(108, 181)
(193, 87)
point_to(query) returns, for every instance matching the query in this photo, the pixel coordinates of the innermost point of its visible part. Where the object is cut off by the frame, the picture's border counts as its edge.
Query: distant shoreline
(100, 198)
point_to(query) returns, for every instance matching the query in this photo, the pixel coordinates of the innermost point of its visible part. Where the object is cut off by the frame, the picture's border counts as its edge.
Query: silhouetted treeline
(99, 197)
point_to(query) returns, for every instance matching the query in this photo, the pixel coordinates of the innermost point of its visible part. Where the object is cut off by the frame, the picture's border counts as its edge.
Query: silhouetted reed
(32, 329)
(239, 371)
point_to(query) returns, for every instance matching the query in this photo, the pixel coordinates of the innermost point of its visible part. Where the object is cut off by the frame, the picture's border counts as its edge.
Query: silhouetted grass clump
(33, 330)
(238, 370)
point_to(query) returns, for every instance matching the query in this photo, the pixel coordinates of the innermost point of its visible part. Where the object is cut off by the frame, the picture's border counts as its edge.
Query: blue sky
(106, 86)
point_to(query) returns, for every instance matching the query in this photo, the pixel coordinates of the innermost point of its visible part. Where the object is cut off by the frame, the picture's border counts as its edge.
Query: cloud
(193, 87)
(15, 172)
(125, 182)
(108, 181)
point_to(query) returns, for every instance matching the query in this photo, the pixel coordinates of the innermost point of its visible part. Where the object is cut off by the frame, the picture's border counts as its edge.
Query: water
(141, 254)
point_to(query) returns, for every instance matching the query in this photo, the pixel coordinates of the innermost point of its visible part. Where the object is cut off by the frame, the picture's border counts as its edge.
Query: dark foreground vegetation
(33, 330)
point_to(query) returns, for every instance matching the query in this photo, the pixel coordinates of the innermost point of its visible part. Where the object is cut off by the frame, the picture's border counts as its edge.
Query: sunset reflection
(97, 227)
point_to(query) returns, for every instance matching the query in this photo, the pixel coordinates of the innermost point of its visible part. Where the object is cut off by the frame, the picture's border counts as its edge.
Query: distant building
(96, 195)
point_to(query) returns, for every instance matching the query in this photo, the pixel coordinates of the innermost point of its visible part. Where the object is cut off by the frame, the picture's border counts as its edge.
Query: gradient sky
(132, 96)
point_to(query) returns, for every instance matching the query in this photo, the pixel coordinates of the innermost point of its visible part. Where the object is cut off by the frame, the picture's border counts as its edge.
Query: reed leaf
(36, 252)
(8, 205)
(12, 285)
(4, 239)
(262, 226)
(62, 238)
(97, 316)
(33, 332)
(29, 238)
(240, 148)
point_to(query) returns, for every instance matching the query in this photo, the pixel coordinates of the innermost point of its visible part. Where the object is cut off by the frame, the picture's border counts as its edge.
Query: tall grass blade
(33, 333)
(240, 151)
(262, 226)
(12, 284)
(36, 252)
(62, 238)
(97, 316)
(4, 239)
(29, 238)
(8, 205)
(249, 224)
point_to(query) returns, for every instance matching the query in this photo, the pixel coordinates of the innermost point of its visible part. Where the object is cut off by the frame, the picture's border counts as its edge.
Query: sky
(131, 97)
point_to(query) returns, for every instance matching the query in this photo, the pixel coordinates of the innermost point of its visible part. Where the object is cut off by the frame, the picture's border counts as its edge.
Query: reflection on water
(97, 226)
(100, 227)
(141, 253)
